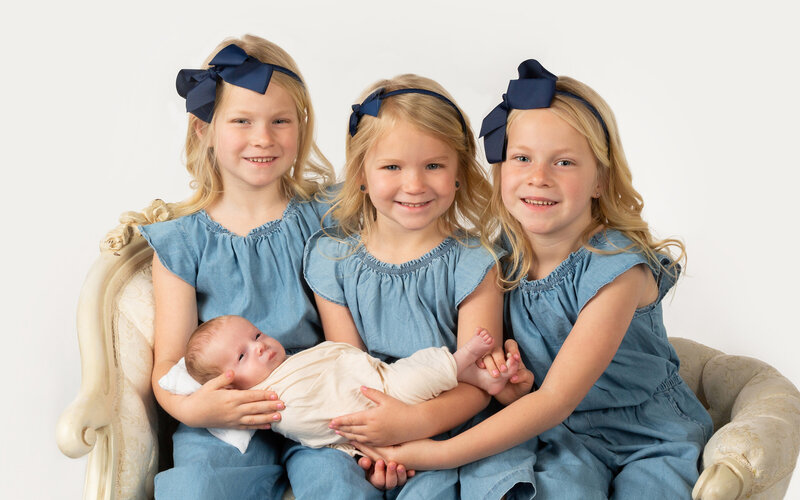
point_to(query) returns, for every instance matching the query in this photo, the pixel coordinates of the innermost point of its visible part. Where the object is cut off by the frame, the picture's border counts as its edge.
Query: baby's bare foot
(476, 348)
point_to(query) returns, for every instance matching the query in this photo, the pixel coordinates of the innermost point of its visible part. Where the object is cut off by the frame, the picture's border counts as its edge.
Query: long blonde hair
(468, 215)
(619, 205)
(310, 172)
(311, 169)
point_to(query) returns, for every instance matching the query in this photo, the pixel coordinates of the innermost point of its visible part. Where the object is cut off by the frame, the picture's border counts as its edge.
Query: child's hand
(390, 422)
(215, 406)
(520, 383)
(385, 476)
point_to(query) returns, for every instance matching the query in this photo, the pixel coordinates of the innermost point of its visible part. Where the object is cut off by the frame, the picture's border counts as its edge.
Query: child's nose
(261, 136)
(412, 182)
(540, 175)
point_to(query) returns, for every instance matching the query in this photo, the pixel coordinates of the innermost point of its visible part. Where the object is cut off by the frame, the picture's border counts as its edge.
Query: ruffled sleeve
(474, 261)
(170, 241)
(323, 262)
(598, 270)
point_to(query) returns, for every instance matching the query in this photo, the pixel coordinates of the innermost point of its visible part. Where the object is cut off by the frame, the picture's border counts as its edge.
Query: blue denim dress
(397, 309)
(640, 430)
(257, 276)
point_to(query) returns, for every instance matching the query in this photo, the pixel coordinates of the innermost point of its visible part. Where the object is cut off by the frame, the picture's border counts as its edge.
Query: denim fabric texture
(399, 309)
(640, 430)
(257, 276)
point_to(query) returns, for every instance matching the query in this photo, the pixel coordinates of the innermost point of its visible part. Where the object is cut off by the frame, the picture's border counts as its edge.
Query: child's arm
(586, 353)
(337, 323)
(211, 405)
(484, 308)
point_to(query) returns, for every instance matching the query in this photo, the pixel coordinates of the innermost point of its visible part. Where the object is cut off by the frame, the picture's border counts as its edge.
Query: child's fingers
(402, 477)
(365, 463)
(219, 382)
(499, 358)
(391, 476)
(378, 476)
(491, 366)
(353, 436)
(511, 348)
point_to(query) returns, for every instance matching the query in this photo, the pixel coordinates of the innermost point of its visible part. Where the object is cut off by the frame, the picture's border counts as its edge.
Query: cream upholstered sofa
(115, 418)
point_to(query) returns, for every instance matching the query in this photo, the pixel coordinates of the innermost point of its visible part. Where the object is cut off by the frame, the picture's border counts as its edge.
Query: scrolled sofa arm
(760, 443)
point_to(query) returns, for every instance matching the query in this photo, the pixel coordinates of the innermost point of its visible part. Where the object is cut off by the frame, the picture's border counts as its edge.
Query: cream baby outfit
(323, 382)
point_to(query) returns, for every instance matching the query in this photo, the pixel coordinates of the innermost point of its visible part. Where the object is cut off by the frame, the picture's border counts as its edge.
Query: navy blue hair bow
(234, 66)
(534, 89)
(372, 105)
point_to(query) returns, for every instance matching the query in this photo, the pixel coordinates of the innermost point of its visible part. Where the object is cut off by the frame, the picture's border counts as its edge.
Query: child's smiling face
(549, 177)
(241, 347)
(255, 136)
(410, 177)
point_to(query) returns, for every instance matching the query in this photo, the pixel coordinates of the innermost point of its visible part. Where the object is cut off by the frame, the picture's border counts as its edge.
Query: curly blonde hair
(619, 205)
(468, 215)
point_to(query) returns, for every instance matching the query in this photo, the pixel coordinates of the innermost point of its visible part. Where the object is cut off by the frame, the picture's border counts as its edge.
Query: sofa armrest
(761, 442)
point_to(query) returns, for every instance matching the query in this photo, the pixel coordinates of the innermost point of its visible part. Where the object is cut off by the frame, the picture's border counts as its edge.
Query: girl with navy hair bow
(408, 266)
(609, 417)
(236, 248)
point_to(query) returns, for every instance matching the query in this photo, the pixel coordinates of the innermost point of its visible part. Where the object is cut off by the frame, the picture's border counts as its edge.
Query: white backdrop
(705, 94)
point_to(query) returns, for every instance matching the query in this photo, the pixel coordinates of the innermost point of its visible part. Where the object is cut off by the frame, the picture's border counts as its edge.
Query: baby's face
(241, 347)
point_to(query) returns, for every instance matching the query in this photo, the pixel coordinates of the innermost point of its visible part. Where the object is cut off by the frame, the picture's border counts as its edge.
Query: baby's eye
(241, 356)
(391, 167)
(564, 163)
(258, 335)
(434, 166)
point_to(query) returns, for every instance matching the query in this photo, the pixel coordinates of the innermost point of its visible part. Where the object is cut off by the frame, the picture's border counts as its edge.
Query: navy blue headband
(372, 104)
(534, 89)
(234, 66)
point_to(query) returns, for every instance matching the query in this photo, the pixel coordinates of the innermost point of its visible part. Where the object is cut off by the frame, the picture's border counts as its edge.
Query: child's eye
(564, 163)
(391, 167)
(434, 166)
(522, 158)
(282, 121)
(241, 121)
(258, 335)
(241, 356)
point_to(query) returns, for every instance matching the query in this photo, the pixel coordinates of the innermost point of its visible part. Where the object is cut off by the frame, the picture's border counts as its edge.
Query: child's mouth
(538, 203)
(262, 159)
(413, 205)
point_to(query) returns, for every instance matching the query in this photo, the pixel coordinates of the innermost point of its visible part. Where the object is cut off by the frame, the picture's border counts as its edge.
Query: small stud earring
(363, 188)
(458, 185)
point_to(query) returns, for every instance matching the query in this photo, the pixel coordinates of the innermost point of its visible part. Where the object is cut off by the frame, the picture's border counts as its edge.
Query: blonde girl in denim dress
(236, 248)
(609, 417)
(409, 266)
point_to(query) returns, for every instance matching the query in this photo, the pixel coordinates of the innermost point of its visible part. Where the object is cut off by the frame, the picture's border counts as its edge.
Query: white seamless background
(705, 94)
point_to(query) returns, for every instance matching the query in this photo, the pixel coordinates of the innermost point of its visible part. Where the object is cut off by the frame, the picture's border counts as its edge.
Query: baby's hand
(518, 384)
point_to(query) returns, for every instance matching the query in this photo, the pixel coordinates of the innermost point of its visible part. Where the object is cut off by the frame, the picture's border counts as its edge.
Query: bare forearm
(449, 410)
(515, 424)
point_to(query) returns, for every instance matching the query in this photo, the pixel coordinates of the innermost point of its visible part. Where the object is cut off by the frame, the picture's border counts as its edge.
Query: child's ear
(200, 128)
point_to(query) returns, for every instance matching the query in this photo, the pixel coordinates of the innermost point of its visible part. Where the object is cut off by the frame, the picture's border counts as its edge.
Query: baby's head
(232, 343)
(429, 110)
(267, 62)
